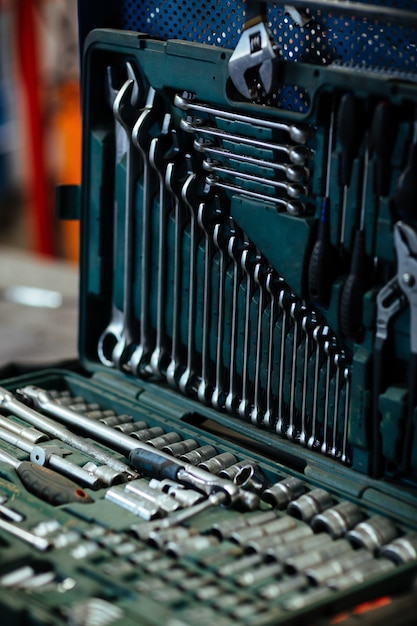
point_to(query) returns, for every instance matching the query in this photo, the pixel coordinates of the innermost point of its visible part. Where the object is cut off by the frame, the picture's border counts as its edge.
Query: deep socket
(310, 504)
(281, 493)
(337, 520)
(373, 533)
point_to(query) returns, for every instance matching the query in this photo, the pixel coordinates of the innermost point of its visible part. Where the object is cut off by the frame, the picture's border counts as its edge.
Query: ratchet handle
(49, 485)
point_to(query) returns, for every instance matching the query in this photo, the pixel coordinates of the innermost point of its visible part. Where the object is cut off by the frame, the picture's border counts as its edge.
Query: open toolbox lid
(203, 263)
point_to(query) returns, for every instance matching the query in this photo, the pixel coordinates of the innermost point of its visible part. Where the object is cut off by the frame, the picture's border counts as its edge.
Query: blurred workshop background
(40, 147)
(40, 128)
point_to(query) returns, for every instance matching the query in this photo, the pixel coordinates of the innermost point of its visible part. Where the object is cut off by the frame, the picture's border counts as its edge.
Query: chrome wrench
(117, 336)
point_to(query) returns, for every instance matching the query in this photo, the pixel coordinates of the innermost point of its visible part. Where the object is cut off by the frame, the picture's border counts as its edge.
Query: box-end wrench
(142, 136)
(297, 134)
(253, 64)
(293, 173)
(117, 336)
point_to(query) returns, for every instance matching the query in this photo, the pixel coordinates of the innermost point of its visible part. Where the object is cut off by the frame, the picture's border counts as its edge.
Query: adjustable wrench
(253, 62)
(117, 336)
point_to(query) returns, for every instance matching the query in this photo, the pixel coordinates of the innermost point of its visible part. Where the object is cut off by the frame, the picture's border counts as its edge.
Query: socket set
(240, 445)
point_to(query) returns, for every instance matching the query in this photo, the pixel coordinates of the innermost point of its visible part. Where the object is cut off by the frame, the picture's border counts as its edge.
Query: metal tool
(297, 154)
(40, 543)
(190, 192)
(297, 133)
(293, 190)
(10, 403)
(293, 173)
(273, 282)
(400, 550)
(11, 514)
(28, 434)
(297, 313)
(310, 504)
(155, 463)
(311, 558)
(118, 336)
(142, 137)
(338, 519)
(280, 494)
(45, 483)
(320, 336)
(161, 150)
(373, 533)
(253, 63)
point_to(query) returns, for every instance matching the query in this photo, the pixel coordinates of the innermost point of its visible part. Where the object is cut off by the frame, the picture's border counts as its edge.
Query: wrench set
(240, 444)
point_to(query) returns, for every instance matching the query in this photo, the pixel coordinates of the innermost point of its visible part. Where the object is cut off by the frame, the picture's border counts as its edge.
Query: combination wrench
(297, 134)
(142, 137)
(118, 335)
(273, 282)
(161, 149)
(260, 273)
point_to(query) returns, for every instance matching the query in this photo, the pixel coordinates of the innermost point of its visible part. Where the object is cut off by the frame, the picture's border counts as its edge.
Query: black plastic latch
(68, 202)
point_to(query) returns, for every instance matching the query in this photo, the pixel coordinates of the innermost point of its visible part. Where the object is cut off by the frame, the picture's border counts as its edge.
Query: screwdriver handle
(350, 126)
(351, 299)
(405, 199)
(320, 268)
(49, 485)
(383, 136)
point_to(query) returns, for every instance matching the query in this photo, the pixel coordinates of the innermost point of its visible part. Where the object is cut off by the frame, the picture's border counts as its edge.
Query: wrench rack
(224, 357)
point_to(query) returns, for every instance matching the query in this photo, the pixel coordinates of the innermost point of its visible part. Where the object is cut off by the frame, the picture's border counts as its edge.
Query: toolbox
(240, 444)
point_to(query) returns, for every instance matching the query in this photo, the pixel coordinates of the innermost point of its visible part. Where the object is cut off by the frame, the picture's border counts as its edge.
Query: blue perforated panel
(328, 37)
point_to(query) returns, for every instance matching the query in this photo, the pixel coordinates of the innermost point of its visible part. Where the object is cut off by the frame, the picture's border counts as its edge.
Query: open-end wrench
(142, 137)
(293, 173)
(253, 62)
(118, 335)
(293, 190)
(297, 154)
(249, 259)
(297, 134)
(162, 149)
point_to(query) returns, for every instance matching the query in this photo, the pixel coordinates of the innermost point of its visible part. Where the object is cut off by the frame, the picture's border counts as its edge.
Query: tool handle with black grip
(49, 485)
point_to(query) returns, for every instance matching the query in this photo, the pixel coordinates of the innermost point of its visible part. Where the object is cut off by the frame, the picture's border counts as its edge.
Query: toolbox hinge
(68, 202)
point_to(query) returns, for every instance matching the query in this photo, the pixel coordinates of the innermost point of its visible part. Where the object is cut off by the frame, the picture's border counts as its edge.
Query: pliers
(392, 299)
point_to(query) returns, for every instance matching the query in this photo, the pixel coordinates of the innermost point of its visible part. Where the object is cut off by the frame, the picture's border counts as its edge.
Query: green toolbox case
(243, 423)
